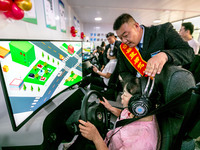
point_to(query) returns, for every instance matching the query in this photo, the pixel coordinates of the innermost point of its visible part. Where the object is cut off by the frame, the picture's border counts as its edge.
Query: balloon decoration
(82, 35)
(73, 31)
(25, 5)
(5, 5)
(14, 9)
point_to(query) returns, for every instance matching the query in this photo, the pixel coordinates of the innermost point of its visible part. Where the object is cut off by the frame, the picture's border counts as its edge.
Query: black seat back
(190, 128)
(193, 129)
(172, 83)
(195, 68)
(195, 63)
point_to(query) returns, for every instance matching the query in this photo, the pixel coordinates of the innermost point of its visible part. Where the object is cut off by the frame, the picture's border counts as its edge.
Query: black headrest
(174, 81)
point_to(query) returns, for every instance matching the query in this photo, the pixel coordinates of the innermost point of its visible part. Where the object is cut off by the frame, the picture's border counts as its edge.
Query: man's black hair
(124, 18)
(188, 26)
(110, 34)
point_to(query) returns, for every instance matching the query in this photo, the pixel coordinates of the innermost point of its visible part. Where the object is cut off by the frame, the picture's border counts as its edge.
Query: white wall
(105, 28)
(18, 29)
(97, 28)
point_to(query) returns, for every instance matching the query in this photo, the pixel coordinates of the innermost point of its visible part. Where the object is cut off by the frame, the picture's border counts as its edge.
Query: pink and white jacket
(138, 135)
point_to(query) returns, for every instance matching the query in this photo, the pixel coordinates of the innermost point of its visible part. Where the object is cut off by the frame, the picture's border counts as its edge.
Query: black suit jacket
(159, 38)
(117, 44)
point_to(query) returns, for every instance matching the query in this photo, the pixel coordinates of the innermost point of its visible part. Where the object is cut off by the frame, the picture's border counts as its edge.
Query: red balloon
(74, 34)
(5, 5)
(9, 14)
(82, 35)
(18, 13)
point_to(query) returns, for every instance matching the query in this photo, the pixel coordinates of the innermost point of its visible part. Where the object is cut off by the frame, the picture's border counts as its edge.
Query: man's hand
(95, 69)
(155, 64)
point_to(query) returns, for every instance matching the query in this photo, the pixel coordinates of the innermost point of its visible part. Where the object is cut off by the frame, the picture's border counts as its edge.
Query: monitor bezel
(5, 92)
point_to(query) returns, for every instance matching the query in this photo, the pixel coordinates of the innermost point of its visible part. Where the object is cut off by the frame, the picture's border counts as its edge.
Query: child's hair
(133, 86)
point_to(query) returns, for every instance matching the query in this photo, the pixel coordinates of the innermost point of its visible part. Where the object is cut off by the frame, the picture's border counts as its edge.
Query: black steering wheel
(94, 112)
(88, 65)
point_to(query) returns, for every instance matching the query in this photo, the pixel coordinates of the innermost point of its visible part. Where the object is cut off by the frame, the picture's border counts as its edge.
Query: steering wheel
(94, 112)
(94, 61)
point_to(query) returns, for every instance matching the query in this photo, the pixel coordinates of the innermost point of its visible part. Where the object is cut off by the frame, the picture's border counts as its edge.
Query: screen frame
(5, 92)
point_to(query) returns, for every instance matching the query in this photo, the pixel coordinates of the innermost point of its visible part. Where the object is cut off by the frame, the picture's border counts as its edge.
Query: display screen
(88, 48)
(34, 72)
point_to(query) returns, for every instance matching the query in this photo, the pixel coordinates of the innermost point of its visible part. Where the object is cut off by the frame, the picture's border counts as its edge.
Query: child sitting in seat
(142, 134)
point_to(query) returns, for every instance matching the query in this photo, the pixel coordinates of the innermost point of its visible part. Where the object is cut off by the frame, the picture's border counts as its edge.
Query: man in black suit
(112, 43)
(158, 45)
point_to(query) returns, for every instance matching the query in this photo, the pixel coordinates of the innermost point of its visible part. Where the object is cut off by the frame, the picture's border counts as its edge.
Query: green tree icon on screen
(35, 67)
(24, 87)
(31, 88)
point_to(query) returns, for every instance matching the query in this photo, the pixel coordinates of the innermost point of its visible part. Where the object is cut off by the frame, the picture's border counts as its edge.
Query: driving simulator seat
(195, 68)
(178, 85)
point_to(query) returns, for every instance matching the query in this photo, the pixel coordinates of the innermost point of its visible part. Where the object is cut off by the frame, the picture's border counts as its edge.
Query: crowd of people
(141, 51)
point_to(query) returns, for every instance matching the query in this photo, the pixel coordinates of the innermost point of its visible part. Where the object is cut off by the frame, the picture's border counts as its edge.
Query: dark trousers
(93, 80)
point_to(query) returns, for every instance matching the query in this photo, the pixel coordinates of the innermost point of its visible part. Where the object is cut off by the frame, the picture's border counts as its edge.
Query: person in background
(186, 32)
(100, 58)
(98, 53)
(103, 76)
(103, 45)
(157, 46)
(112, 42)
(142, 134)
(96, 50)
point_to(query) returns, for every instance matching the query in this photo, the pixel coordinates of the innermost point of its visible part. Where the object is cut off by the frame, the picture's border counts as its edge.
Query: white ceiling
(144, 11)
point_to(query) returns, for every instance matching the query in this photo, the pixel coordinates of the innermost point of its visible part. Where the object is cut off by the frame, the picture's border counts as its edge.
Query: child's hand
(88, 130)
(106, 104)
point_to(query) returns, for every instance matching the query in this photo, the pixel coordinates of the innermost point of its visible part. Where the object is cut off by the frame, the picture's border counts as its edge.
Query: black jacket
(105, 59)
(159, 38)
